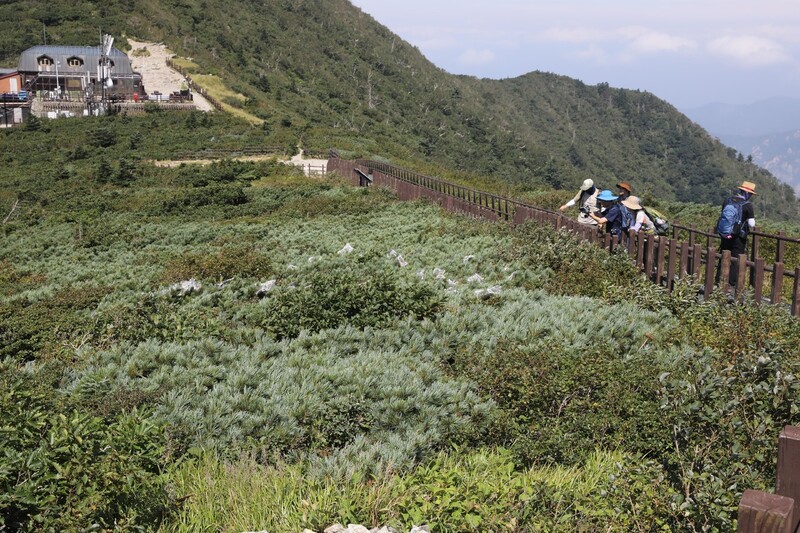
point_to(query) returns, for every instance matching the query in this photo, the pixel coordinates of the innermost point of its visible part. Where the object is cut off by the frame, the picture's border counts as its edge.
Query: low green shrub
(358, 294)
(218, 265)
(217, 195)
(33, 329)
(559, 405)
(66, 470)
(577, 267)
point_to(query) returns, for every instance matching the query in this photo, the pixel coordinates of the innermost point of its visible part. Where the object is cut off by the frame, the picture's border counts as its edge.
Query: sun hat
(632, 202)
(607, 196)
(748, 186)
(587, 184)
(624, 185)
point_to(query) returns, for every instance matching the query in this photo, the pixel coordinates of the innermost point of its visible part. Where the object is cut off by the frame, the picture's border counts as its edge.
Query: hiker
(641, 222)
(586, 200)
(623, 190)
(735, 222)
(611, 213)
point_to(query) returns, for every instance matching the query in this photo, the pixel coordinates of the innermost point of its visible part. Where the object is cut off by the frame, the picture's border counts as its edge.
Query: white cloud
(654, 42)
(749, 51)
(639, 39)
(474, 57)
(593, 53)
(575, 35)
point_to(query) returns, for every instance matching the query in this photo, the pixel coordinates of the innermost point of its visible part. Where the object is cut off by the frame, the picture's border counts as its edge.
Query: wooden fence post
(788, 482)
(711, 265)
(725, 269)
(662, 252)
(697, 261)
(777, 283)
(758, 280)
(741, 262)
(761, 512)
(796, 293)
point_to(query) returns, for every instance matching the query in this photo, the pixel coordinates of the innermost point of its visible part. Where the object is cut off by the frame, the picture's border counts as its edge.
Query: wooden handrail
(662, 259)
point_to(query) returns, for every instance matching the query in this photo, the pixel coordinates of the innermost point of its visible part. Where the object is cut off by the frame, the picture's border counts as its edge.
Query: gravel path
(157, 76)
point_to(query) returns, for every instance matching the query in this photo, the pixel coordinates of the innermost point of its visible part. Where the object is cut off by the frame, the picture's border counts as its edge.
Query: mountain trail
(156, 75)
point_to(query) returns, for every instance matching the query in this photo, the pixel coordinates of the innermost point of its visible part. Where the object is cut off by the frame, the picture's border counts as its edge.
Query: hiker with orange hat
(623, 190)
(586, 200)
(735, 222)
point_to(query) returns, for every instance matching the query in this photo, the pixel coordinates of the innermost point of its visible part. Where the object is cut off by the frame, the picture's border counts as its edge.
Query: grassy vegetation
(231, 101)
(338, 357)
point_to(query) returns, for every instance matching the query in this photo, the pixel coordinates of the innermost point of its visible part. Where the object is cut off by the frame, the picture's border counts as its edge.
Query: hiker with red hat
(735, 222)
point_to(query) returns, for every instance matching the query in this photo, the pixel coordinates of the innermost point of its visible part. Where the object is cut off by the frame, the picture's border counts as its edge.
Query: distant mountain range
(768, 130)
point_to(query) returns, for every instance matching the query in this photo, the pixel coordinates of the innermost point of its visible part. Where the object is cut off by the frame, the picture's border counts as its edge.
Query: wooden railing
(763, 512)
(664, 260)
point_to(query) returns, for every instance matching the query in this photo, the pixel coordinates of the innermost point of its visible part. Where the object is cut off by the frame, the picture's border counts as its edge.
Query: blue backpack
(730, 220)
(627, 218)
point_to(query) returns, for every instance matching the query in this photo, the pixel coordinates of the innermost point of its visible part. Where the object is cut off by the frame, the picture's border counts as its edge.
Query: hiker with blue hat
(612, 214)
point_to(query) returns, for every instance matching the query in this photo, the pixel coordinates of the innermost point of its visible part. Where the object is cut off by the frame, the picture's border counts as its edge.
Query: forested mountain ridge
(324, 74)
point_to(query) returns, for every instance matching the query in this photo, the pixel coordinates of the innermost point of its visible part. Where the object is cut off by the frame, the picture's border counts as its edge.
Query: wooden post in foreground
(788, 482)
(762, 512)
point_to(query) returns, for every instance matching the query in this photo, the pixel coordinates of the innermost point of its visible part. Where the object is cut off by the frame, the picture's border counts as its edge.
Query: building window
(75, 62)
(44, 61)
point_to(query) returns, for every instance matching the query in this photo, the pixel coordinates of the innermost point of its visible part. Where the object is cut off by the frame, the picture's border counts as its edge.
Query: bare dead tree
(13, 208)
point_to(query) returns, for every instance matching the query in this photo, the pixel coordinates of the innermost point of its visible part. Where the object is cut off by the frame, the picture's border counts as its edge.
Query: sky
(688, 52)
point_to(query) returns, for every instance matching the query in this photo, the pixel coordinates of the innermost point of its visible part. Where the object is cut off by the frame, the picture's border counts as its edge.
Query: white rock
(356, 528)
(475, 278)
(402, 262)
(265, 287)
(392, 253)
(421, 273)
(438, 272)
(495, 289)
(468, 258)
(348, 248)
(335, 528)
(186, 287)
(451, 283)
(311, 259)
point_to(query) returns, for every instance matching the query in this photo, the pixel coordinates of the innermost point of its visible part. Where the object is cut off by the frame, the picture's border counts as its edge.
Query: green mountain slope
(324, 74)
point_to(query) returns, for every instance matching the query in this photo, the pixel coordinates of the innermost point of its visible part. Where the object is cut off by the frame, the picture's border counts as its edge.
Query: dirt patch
(156, 75)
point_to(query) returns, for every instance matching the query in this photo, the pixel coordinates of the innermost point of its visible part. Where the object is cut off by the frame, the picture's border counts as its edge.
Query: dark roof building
(75, 69)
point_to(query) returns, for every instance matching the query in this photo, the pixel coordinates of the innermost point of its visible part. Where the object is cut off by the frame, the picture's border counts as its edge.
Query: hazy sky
(688, 52)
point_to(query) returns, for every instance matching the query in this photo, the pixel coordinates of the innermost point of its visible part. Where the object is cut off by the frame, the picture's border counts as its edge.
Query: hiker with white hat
(735, 222)
(586, 200)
